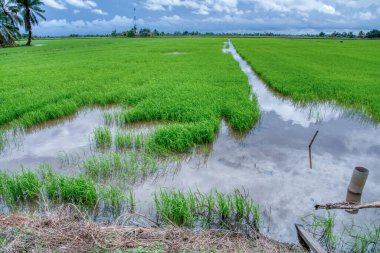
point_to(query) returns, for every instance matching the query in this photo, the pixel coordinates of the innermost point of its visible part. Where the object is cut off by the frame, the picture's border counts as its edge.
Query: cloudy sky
(283, 16)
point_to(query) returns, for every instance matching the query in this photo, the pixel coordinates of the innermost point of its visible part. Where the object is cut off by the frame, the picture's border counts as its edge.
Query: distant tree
(322, 34)
(351, 35)
(9, 21)
(30, 10)
(114, 33)
(373, 34)
(145, 32)
(155, 33)
(361, 34)
(185, 33)
(132, 32)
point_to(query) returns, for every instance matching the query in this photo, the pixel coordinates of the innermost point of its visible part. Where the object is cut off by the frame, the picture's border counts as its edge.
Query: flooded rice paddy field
(271, 162)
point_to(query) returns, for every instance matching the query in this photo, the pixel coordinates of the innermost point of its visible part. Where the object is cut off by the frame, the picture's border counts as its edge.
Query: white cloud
(197, 6)
(99, 11)
(366, 15)
(56, 4)
(82, 3)
(171, 19)
(116, 21)
(297, 5)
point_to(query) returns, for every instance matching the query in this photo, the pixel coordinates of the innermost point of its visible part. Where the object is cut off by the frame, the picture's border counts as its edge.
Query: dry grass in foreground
(68, 231)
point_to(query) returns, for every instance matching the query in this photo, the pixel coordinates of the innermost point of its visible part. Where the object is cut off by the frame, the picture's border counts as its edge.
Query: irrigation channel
(271, 162)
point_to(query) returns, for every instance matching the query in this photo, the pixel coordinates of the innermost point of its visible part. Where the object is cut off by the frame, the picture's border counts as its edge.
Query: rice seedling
(132, 200)
(108, 118)
(3, 140)
(233, 211)
(123, 140)
(28, 186)
(173, 207)
(113, 197)
(21, 187)
(130, 166)
(323, 227)
(102, 137)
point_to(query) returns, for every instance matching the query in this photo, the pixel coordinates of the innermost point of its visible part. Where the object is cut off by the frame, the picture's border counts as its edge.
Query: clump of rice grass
(3, 140)
(102, 137)
(123, 140)
(108, 118)
(233, 211)
(21, 187)
(113, 197)
(46, 184)
(129, 140)
(323, 227)
(131, 166)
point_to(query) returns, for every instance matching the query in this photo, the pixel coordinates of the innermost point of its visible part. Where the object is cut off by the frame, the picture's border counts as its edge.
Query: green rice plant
(3, 140)
(233, 211)
(21, 187)
(77, 190)
(323, 227)
(108, 118)
(123, 140)
(130, 166)
(223, 204)
(173, 208)
(113, 196)
(132, 200)
(102, 137)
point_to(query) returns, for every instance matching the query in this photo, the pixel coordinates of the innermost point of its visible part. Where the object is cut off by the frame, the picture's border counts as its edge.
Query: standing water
(271, 162)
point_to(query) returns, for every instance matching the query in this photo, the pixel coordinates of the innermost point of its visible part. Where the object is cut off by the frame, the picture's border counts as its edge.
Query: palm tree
(9, 20)
(29, 10)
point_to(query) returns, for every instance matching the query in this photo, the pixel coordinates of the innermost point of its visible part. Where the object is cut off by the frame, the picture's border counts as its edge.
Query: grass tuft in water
(3, 140)
(127, 166)
(102, 137)
(233, 211)
(21, 187)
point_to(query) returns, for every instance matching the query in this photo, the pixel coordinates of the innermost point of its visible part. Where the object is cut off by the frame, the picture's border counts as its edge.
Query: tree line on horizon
(146, 32)
(15, 14)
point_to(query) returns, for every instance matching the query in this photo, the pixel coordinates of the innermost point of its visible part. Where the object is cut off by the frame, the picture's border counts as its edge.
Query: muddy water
(271, 162)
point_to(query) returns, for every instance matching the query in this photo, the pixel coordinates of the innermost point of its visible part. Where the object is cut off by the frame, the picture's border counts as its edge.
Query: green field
(319, 70)
(189, 83)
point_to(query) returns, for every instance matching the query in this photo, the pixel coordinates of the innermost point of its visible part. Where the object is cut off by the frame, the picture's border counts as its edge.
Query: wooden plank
(309, 240)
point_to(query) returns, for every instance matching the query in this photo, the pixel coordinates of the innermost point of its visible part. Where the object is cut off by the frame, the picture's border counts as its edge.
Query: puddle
(271, 162)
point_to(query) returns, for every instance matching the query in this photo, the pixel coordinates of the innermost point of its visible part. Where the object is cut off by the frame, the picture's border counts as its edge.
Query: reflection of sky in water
(271, 162)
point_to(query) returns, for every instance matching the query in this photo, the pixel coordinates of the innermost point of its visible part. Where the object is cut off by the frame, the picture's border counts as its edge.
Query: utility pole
(134, 20)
